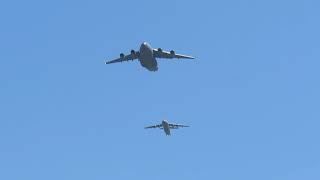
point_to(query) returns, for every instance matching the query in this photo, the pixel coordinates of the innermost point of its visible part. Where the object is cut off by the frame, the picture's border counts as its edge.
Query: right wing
(176, 126)
(154, 126)
(159, 53)
(132, 56)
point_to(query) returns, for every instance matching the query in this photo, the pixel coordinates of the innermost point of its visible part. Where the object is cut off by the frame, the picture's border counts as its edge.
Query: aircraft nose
(145, 45)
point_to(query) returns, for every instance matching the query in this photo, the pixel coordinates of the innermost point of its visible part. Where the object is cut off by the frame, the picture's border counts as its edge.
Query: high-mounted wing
(159, 53)
(176, 126)
(155, 126)
(132, 56)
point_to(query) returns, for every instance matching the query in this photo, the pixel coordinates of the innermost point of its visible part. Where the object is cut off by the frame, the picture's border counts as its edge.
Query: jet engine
(121, 55)
(172, 52)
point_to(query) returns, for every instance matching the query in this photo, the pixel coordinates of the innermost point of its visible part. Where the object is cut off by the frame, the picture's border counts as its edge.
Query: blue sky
(251, 97)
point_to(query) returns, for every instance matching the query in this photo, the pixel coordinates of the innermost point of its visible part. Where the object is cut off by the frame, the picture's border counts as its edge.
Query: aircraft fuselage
(146, 57)
(166, 127)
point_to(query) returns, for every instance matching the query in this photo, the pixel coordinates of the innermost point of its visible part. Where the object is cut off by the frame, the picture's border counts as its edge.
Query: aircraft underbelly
(147, 60)
(166, 129)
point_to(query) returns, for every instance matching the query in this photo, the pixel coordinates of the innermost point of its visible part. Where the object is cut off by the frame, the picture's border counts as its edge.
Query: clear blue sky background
(251, 97)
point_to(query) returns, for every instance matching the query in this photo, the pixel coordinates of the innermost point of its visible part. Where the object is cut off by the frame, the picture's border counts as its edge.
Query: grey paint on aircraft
(166, 127)
(146, 57)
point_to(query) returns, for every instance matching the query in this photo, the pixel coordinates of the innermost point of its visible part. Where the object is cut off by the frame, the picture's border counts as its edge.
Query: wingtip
(190, 57)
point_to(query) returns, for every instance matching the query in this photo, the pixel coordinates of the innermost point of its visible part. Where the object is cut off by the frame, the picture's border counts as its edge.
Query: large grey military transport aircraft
(166, 126)
(147, 56)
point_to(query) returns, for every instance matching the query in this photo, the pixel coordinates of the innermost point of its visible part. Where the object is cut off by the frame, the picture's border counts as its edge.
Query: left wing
(176, 126)
(155, 126)
(159, 53)
(132, 56)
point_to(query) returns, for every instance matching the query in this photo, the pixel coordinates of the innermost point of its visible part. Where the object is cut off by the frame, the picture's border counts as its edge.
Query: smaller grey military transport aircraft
(166, 126)
(147, 56)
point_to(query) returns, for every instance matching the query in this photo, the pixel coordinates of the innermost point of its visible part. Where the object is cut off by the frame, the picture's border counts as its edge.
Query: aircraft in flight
(166, 126)
(147, 56)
